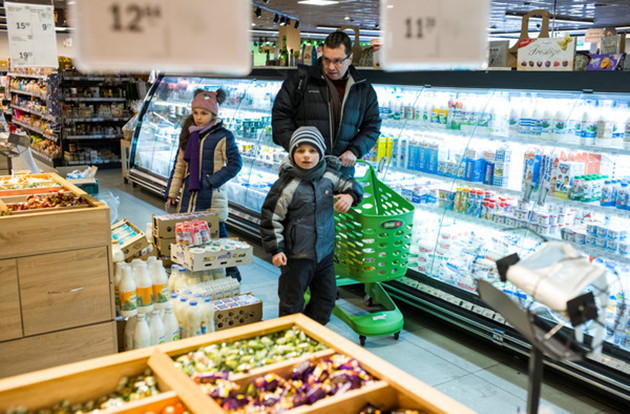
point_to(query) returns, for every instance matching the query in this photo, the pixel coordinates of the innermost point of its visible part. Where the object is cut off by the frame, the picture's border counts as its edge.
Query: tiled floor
(481, 376)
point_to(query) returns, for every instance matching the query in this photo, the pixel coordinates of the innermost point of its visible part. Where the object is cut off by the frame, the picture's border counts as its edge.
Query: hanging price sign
(143, 35)
(31, 32)
(434, 34)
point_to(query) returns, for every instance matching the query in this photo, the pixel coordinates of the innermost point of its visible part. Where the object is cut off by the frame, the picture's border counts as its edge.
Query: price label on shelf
(142, 35)
(31, 32)
(434, 34)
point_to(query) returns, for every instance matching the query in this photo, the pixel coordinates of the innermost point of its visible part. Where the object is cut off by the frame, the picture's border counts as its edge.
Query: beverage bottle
(182, 279)
(127, 294)
(560, 120)
(142, 333)
(621, 196)
(193, 319)
(207, 316)
(618, 124)
(546, 121)
(284, 53)
(606, 194)
(159, 282)
(144, 289)
(536, 121)
(604, 131)
(157, 328)
(515, 114)
(171, 327)
(117, 279)
(173, 277)
(525, 120)
(130, 329)
(180, 314)
(626, 134)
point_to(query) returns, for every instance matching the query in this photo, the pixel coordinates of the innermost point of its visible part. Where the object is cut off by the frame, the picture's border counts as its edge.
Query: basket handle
(369, 170)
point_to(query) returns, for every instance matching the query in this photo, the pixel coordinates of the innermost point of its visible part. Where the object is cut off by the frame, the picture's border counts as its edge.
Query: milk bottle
(127, 294)
(157, 328)
(182, 279)
(159, 282)
(144, 288)
(142, 333)
(130, 330)
(193, 319)
(173, 277)
(171, 327)
(180, 313)
(117, 279)
(207, 316)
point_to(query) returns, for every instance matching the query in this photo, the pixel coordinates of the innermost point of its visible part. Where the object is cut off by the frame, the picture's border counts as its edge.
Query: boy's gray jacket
(297, 217)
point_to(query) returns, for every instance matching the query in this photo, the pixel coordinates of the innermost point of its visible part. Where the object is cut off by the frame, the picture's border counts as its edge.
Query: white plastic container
(127, 294)
(171, 327)
(207, 316)
(142, 333)
(193, 319)
(180, 313)
(144, 288)
(117, 279)
(156, 326)
(173, 277)
(160, 284)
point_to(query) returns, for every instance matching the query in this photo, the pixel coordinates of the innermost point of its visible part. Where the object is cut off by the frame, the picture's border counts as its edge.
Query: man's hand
(348, 158)
(343, 203)
(169, 202)
(279, 259)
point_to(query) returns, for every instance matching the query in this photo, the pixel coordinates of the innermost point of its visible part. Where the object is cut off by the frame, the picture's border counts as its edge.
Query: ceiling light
(318, 2)
(258, 12)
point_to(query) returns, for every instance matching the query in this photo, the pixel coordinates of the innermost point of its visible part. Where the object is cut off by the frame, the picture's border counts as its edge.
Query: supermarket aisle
(479, 375)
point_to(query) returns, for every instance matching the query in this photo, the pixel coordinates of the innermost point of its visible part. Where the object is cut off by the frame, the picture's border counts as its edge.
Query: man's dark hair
(336, 39)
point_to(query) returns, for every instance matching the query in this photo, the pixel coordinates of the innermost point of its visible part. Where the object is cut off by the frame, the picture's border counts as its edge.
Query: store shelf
(46, 159)
(36, 130)
(94, 119)
(104, 164)
(94, 99)
(26, 75)
(31, 111)
(36, 95)
(93, 137)
(95, 79)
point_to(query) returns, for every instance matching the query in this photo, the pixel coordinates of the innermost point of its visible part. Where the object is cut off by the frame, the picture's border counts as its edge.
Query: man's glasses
(336, 62)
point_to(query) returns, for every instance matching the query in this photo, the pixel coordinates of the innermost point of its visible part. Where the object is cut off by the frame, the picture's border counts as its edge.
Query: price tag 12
(434, 34)
(200, 36)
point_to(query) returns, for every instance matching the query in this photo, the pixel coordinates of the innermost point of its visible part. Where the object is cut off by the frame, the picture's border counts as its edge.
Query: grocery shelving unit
(91, 379)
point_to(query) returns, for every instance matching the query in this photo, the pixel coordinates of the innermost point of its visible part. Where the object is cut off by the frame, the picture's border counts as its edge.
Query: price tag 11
(31, 32)
(434, 34)
(145, 35)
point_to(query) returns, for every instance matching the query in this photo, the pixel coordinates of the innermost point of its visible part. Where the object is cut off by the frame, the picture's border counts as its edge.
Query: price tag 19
(434, 34)
(160, 34)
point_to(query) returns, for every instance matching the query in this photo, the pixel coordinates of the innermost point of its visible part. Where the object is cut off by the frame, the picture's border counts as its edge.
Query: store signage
(434, 34)
(142, 35)
(31, 32)
(546, 54)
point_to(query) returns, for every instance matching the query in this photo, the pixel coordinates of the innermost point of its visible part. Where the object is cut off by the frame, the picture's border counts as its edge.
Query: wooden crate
(89, 379)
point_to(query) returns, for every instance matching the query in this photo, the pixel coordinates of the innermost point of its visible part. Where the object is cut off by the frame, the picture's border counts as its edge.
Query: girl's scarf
(191, 154)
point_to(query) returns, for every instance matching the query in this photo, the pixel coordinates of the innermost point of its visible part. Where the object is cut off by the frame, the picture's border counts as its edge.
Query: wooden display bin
(87, 380)
(57, 299)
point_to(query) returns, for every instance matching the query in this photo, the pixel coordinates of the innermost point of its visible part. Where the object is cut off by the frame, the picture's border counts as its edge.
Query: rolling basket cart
(372, 246)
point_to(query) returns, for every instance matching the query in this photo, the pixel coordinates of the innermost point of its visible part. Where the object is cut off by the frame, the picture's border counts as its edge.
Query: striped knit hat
(307, 135)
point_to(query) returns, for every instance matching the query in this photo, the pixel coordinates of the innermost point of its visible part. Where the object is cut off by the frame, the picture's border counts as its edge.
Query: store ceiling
(365, 13)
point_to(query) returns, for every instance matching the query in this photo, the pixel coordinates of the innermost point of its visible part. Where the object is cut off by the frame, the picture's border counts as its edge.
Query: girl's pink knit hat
(206, 100)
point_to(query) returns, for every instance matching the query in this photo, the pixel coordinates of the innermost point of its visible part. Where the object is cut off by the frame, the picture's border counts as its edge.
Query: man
(333, 97)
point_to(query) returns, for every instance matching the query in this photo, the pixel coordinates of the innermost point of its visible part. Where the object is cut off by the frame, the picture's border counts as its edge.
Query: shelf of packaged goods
(612, 147)
(594, 207)
(254, 141)
(266, 166)
(37, 113)
(108, 164)
(36, 130)
(82, 99)
(36, 95)
(91, 137)
(95, 79)
(584, 248)
(247, 109)
(27, 75)
(46, 159)
(94, 119)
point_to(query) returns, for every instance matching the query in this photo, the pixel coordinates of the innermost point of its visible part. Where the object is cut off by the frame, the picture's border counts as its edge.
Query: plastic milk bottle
(171, 327)
(144, 289)
(127, 294)
(160, 284)
(157, 328)
(142, 333)
(207, 316)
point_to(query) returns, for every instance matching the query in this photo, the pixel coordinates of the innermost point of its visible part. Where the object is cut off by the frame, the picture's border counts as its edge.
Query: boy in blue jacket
(298, 225)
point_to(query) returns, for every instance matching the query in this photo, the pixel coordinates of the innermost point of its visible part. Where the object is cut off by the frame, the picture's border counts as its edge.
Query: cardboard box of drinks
(164, 226)
(216, 254)
(236, 311)
(130, 242)
(164, 245)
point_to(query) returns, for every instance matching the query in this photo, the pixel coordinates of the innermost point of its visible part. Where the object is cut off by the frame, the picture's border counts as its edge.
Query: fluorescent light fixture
(361, 30)
(552, 18)
(318, 2)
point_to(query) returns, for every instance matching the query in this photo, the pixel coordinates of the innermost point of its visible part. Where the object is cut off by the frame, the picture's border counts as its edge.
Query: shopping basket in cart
(371, 246)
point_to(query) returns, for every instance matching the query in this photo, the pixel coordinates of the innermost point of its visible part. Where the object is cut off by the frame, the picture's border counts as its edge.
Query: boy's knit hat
(307, 135)
(206, 100)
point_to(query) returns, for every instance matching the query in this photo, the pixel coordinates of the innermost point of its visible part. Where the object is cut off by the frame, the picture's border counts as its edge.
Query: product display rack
(80, 382)
(438, 281)
(58, 303)
(97, 116)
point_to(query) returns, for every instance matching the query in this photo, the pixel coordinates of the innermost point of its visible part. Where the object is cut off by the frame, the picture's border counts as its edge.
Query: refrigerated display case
(494, 162)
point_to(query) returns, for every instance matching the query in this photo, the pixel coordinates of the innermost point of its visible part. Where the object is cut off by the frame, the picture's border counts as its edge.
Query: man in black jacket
(333, 97)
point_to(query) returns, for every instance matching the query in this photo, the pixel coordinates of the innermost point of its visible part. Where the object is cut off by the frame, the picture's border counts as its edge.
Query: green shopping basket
(372, 240)
(372, 245)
